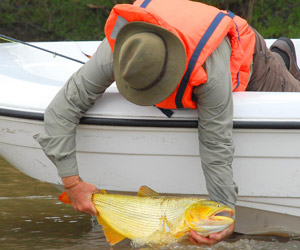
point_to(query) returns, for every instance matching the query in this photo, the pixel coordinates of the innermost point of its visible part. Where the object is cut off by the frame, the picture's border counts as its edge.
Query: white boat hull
(121, 146)
(268, 179)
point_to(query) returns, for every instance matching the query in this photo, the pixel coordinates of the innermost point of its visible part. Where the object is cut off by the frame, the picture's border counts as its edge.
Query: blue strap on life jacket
(145, 3)
(212, 27)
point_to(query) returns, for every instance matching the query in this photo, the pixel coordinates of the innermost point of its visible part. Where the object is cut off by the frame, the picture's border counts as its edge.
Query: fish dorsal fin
(111, 235)
(145, 191)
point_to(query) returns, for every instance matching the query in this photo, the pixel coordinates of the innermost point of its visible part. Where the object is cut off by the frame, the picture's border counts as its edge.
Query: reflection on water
(31, 217)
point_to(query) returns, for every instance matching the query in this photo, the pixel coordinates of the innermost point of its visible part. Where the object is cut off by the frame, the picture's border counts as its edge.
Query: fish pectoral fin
(145, 191)
(111, 235)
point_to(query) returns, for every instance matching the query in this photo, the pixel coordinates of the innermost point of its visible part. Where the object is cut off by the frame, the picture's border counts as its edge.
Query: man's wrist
(68, 180)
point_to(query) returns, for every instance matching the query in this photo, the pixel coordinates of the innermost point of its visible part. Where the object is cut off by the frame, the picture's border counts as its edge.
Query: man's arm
(215, 111)
(64, 113)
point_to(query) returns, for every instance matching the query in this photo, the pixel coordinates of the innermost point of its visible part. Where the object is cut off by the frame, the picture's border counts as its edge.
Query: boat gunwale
(164, 123)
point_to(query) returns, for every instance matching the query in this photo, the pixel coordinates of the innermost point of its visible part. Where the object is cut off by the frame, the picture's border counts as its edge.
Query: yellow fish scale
(139, 217)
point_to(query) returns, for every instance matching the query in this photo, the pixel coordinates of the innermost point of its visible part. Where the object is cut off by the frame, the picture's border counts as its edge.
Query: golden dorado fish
(153, 219)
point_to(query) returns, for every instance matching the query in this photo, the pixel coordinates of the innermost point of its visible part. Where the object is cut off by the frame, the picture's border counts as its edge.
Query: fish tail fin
(65, 198)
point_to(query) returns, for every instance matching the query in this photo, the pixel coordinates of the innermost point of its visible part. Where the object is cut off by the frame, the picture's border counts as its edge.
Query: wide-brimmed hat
(149, 62)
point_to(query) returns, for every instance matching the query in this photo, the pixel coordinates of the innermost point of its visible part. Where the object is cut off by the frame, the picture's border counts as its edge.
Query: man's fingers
(88, 208)
(201, 240)
(93, 210)
(224, 234)
(85, 207)
(194, 241)
(81, 197)
(213, 238)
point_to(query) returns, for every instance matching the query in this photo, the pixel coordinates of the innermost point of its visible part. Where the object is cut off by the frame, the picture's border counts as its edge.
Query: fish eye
(218, 205)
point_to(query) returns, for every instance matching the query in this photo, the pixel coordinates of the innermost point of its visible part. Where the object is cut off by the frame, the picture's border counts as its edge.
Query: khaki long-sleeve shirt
(215, 111)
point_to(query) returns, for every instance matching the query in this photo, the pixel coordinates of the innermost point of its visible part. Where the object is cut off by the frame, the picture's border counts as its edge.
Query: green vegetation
(271, 18)
(40, 20)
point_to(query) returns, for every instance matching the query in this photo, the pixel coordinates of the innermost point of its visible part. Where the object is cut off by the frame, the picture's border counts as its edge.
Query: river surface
(31, 217)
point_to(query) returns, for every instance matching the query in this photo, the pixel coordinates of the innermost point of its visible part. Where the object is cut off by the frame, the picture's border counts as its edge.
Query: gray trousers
(269, 71)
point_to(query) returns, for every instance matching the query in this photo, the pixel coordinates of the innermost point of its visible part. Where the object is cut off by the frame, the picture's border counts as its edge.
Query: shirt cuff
(60, 151)
(67, 167)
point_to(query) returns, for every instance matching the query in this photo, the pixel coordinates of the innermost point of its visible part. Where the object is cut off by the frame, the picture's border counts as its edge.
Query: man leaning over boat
(171, 54)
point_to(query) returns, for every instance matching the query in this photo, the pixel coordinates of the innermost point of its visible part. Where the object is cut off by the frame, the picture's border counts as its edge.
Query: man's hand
(212, 238)
(81, 195)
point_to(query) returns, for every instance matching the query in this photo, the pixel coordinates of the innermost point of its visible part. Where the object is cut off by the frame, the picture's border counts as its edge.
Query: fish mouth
(224, 215)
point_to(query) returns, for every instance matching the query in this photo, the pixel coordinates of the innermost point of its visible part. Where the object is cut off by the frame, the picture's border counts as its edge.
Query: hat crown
(149, 62)
(142, 60)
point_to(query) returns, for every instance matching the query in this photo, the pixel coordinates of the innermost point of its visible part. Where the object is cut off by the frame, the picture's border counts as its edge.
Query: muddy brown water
(31, 217)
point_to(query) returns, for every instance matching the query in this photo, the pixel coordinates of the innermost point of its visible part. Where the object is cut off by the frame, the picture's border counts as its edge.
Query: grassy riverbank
(48, 20)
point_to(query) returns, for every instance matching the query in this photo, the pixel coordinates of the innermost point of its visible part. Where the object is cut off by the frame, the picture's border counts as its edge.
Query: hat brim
(176, 64)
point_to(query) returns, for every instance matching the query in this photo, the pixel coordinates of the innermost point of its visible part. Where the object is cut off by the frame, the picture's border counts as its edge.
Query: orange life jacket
(201, 29)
